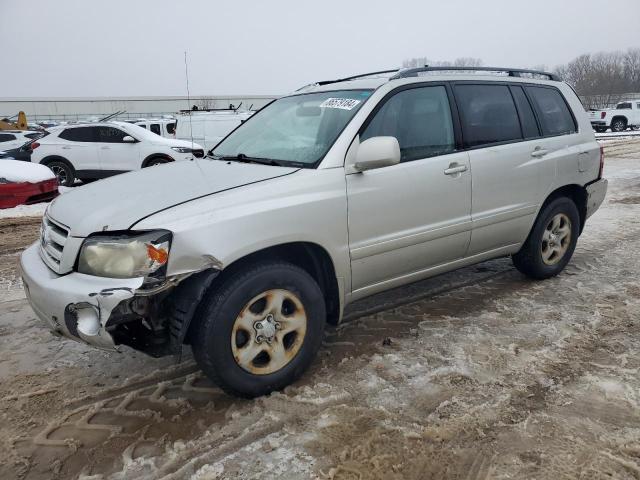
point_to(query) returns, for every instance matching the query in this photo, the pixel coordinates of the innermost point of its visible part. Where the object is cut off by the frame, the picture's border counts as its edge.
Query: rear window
(553, 112)
(488, 114)
(6, 137)
(80, 134)
(624, 106)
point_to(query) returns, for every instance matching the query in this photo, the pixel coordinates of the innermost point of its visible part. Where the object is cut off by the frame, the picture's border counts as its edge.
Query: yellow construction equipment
(21, 124)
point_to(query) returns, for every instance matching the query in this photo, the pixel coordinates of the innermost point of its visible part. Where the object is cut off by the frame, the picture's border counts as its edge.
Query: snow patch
(15, 171)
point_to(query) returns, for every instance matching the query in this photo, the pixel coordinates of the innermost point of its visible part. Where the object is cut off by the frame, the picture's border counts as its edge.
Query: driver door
(115, 154)
(407, 218)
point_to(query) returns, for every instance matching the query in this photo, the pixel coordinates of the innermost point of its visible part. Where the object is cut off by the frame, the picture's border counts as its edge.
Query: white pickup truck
(625, 115)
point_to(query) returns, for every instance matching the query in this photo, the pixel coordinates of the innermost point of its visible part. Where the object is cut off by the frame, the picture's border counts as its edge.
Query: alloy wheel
(556, 239)
(60, 173)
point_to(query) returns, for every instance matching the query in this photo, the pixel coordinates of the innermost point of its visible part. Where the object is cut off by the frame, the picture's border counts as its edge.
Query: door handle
(539, 153)
(66, 148)
(455, 168)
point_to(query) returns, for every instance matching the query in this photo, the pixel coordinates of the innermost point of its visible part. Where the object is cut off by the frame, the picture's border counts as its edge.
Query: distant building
(83, 108)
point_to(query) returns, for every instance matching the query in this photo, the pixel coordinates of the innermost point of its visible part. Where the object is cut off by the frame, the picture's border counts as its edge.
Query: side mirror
(128, 139)
(377, 152)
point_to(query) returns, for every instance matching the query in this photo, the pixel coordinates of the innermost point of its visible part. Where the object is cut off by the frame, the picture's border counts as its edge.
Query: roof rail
(512, 72)
(346, 79)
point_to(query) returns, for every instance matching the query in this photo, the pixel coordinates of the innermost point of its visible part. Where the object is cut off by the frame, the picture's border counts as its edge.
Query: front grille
(53, 237)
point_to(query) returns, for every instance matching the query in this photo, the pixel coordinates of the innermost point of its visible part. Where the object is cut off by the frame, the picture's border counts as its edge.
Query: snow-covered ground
(478, 374)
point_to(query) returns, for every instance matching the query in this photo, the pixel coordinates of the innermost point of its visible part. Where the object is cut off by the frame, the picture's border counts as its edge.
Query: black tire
(600, 129)
(218, 311)
(635, 127)
(529, 260)
(619, 125)
(63, 171)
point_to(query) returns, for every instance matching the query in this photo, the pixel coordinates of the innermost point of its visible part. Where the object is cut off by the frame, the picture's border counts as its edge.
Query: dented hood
(118, 202)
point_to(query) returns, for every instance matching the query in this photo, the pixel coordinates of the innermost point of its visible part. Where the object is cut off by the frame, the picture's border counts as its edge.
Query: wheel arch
(311, 257)
(577, 193)
(620, 117)
(153, 156)
(56, 158)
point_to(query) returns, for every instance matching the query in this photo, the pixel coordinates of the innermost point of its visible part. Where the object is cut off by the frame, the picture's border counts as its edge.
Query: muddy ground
(478, 374)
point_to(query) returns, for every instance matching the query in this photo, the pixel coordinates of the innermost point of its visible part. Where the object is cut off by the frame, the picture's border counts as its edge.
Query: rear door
(78, 145)
(116, 155)
(507, 159)
(406, 218)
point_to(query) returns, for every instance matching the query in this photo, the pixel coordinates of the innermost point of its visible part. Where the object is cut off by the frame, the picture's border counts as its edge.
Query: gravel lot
(473, 375)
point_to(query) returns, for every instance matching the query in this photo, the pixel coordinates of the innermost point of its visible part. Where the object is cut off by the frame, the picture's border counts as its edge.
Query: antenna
(186, 74)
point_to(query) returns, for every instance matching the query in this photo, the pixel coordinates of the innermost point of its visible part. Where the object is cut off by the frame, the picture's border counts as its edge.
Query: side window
(142, 125)
(527, 118)
(171, 128)
(80, 134)
(638, 105)
(6, 137)
(624, 106)
(155, 128)
(110, 135)
(488, 114)
(554, 115)
(420, 118)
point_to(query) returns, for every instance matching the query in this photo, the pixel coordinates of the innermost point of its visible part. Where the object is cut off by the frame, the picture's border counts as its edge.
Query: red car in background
(22, 184)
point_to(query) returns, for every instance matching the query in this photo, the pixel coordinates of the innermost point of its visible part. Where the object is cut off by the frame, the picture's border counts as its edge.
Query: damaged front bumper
(74, 305)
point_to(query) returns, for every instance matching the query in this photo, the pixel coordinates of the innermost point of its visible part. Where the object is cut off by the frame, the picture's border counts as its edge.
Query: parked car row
(89, 151)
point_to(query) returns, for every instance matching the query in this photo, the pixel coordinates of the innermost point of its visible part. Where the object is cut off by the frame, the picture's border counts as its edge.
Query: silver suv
(341, 190)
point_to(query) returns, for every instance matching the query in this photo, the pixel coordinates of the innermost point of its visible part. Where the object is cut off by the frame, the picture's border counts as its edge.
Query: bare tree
(603, 79)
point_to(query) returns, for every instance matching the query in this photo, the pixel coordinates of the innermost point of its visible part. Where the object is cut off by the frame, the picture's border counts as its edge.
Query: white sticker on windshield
(342, 103)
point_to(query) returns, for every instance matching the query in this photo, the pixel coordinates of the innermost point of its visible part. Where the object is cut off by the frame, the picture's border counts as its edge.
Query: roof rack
(512, 72)
(354, 77)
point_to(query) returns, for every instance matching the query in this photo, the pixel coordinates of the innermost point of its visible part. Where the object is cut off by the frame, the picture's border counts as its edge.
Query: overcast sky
(135, 47)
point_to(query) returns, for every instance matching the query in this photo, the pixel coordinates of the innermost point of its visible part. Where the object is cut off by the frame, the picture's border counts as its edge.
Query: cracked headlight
(126, 255)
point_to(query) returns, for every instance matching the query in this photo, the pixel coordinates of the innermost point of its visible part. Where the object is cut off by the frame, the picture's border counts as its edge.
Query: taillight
(34, 145)
(603, 114)
(601, 161)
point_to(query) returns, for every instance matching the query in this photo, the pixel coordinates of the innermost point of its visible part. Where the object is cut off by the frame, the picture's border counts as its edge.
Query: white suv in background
(98, 150)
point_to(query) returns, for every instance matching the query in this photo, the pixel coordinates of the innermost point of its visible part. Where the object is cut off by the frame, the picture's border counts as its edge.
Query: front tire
(63, 172)
(551, 242)
(260, 329)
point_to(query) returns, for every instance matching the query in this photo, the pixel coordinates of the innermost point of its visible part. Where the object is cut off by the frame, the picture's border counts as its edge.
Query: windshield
(294, 130)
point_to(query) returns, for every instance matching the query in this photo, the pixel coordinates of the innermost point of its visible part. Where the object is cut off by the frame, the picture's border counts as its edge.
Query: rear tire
(63, 172)
(269, 300)
(551, 242)
(618, 125)
(600, 129)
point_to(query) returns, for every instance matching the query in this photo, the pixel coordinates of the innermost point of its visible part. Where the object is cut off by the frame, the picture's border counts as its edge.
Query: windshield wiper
(241, 157)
